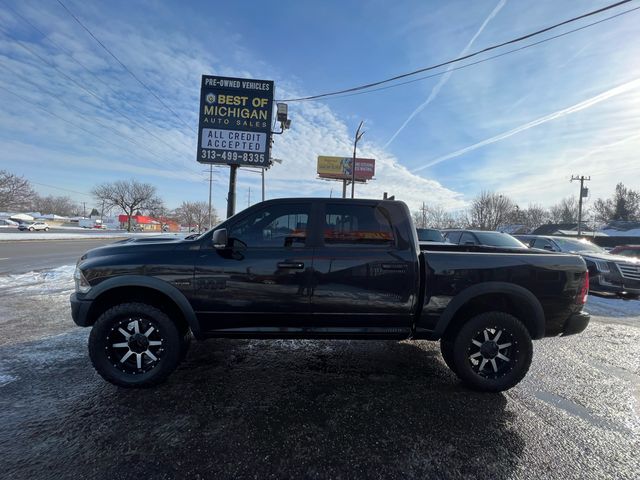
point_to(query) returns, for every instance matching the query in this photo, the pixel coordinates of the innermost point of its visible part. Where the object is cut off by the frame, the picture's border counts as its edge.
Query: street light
(353, 164)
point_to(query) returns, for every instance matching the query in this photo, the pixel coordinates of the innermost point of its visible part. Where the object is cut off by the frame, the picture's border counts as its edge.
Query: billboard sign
(235, 121)
(339, 168)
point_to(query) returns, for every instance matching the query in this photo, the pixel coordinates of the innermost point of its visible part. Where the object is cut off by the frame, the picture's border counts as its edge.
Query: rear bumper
(79, 310)
(576, 323)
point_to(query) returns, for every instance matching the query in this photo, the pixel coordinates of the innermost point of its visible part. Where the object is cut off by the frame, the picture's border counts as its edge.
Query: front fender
(153, 283)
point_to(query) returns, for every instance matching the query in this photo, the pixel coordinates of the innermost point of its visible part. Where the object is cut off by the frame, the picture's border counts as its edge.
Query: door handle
(293, 265)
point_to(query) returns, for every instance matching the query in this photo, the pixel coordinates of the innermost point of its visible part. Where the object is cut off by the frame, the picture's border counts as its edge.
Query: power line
(458, 59)
(78, 126)
(60, 188)
(493, 57)
(88, 120)
(88, 70)
(124, 66)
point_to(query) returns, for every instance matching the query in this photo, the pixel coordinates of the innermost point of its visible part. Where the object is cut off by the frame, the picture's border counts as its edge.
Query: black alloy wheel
(135, 345)
(492, 352)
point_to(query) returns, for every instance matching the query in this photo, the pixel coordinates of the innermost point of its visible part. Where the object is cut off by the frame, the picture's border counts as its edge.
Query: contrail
(625, 87)
(443, 79)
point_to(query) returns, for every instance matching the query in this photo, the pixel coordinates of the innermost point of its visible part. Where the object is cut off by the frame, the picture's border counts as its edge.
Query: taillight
(582, 296)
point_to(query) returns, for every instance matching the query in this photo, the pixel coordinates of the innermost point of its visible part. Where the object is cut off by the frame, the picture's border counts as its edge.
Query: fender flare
(531, 304)
(155, 284)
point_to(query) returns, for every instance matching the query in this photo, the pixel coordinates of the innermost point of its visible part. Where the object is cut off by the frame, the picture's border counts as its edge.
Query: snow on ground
(74, 236)
(614, 308)
(46, 282)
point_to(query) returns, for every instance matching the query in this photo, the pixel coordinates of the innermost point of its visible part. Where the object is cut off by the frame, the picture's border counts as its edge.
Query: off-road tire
(478, 357)
(107, 360)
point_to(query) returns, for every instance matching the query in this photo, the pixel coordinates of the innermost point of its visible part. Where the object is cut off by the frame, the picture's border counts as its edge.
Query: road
(19, 257)
(312, 409)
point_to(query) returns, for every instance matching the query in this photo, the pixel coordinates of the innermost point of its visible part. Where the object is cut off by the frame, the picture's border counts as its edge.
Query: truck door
(362, 282)
(261, 281)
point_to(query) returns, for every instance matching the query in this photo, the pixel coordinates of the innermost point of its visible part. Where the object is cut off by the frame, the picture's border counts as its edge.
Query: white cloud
(620, 89)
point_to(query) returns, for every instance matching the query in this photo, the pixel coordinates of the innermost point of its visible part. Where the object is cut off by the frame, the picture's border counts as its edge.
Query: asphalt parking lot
(312, 409)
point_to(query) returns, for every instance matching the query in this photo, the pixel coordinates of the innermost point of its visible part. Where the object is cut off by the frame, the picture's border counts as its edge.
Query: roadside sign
(235, 121)
(340, 168)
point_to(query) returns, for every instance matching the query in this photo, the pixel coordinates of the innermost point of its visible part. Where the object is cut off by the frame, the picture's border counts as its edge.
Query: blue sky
(521, 124)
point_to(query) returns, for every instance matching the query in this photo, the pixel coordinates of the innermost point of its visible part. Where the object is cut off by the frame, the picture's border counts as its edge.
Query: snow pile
(46, 282)
(613, 307)
(75, 236)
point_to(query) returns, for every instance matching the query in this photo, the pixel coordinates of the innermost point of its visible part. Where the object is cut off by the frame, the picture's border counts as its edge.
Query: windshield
(429, 235)
(497, 239)
(574, 245)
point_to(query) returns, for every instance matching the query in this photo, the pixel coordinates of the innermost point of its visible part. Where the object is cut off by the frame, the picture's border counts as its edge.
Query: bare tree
(16, 192)
(566, 211)
(58, 205)
(489, 210)
(535, 215)
(127, 195)
(434, 216)
(195, 214)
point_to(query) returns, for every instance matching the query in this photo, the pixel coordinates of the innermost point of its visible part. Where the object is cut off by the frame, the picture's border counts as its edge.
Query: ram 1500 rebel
(324, 268)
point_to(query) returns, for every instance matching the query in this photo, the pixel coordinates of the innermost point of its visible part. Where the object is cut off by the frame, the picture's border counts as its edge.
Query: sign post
(235, 125)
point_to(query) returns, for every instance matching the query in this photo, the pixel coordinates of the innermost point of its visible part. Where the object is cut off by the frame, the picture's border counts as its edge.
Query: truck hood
(136, 245)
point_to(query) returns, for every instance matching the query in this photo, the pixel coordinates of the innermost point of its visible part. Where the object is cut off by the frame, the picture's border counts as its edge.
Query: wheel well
(146, 295)
(494, 302)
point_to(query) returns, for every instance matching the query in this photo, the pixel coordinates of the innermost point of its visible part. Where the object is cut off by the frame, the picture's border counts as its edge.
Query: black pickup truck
(323, 268)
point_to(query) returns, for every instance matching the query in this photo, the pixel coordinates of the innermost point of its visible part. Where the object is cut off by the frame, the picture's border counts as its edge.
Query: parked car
(6, 223)
(323, 268)
(610, 273)
(34, 226)
(482, 237)
(627, 251)
(430, 235)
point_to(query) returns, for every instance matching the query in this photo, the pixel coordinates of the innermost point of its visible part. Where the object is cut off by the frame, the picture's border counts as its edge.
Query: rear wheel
(135, 345)
(492, 352)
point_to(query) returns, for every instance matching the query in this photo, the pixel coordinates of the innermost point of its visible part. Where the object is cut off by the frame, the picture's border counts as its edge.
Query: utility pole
(231, 197)
(249, 198)
(424, 215)
(353, 163)
(583, 193)
(210, 184)
(263, 184)
(84, 209)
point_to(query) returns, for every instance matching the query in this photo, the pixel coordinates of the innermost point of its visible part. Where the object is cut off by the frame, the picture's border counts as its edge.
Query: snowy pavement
(311, 409)
(74, 234)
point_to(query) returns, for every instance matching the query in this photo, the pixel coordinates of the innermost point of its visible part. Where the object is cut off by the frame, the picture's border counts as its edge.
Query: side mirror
(220, 239)
(548, 247)
(469, 242)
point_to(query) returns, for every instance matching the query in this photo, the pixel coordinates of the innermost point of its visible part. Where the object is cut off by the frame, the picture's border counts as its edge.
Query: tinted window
(453, 237)
(274, 226)
(541, 243)
(497, 239)
(468, 239)
(429, 235)
(574, 245)
(357, 224)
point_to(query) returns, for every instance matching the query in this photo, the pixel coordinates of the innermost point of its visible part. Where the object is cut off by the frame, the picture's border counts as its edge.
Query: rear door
(362, 281)
(262, 281)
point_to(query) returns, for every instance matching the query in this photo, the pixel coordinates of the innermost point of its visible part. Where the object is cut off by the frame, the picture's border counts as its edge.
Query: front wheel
(492, 352)
(31, 229)
(135, 345)
(46, 229)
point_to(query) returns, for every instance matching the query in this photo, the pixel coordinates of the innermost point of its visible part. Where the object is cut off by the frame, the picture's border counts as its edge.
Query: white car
(34, 226)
